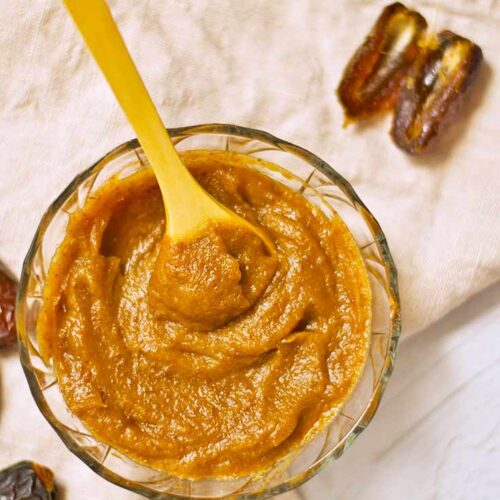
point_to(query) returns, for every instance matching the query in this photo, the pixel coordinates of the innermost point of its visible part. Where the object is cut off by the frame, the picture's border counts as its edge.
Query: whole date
(8, 290)
(27, 481)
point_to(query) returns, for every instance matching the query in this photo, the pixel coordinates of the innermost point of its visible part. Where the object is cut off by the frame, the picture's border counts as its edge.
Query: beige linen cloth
(269, 64)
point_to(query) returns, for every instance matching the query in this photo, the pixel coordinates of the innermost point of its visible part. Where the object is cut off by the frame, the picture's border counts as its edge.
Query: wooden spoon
(187, 205)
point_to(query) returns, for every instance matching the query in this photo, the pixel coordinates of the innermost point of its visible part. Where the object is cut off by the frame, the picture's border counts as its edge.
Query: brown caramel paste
(210, 357)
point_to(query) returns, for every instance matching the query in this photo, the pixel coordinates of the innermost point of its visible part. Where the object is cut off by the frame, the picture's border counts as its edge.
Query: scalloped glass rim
(389, 282)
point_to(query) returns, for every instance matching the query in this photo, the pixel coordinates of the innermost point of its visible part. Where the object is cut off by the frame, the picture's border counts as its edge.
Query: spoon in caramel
(187, 205)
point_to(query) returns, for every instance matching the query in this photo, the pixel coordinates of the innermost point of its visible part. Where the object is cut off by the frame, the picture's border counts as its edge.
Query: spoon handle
(99, 31)
(187, 204)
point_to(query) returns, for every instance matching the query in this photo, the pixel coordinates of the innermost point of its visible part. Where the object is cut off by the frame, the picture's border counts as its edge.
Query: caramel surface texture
(216, 359)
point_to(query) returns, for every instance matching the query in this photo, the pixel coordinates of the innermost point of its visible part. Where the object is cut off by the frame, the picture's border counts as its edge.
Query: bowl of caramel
(242, 381)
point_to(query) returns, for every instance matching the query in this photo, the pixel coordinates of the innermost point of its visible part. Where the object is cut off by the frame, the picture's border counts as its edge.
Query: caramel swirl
(210, 357)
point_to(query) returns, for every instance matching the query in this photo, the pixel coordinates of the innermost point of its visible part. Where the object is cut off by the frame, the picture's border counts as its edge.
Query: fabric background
(266, 64)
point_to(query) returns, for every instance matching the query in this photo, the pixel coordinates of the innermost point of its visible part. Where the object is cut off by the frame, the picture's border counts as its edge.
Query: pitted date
(372, 79)
(8, 290)
(27, 480)
(438, 78)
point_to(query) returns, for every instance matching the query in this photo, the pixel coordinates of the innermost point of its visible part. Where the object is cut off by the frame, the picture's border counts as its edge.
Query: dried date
(434, 85)
(27, 481)
(8, 290)
(372, 79)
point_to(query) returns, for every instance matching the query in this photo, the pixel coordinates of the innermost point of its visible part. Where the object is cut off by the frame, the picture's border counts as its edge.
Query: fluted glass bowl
(324, 187)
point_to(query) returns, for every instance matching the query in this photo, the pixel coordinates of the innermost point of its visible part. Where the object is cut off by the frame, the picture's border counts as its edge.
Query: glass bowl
(323, 186)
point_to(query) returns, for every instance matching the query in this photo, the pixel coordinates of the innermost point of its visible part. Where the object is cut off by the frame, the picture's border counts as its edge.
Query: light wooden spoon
(187, 205)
